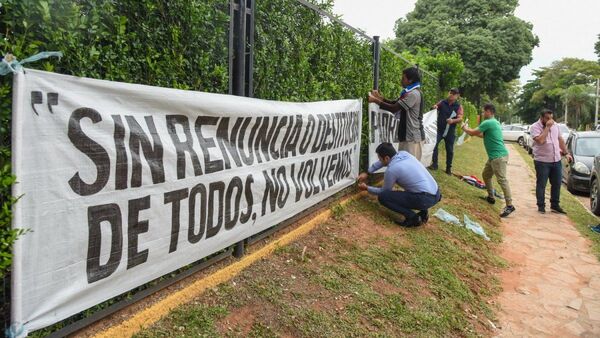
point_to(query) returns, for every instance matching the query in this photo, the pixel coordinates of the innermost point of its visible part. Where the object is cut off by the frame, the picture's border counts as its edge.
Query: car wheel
(595, 197)
(570, 185)
(520, 141)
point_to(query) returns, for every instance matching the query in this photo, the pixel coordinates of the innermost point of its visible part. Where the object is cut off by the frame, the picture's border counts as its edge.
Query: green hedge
(184, 44)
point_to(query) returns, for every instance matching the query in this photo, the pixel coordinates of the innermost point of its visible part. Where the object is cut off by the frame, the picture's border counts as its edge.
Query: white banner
(383, 127)
(123, 183)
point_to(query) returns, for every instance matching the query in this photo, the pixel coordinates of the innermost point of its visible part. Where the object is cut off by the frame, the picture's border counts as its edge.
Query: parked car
(584, 146)
(564, 131)
(595, 187)
(513, 133)
(528, 140)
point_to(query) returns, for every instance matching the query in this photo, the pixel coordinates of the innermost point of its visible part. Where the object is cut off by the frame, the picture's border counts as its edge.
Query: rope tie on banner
(10, 64)
(15, 330)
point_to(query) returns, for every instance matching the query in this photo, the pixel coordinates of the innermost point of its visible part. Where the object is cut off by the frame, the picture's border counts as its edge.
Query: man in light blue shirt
(421, 191)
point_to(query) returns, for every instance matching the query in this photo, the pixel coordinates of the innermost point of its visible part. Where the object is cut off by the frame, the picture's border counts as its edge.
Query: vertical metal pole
(376, 60)
(566, 112)
(233, 8)
(239, 45)
(238, 68)
(597, 97)
(250, 11)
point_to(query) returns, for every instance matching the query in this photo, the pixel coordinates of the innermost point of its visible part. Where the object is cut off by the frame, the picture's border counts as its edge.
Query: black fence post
(250, 10)
(241, 61)
(376, 59)
(237, 76)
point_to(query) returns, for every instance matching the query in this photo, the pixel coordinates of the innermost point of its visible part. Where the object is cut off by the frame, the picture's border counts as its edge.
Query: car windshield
(563, 129)
(588, 146)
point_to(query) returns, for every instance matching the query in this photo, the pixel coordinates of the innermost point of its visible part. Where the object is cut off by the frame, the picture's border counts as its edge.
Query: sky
(565, 28)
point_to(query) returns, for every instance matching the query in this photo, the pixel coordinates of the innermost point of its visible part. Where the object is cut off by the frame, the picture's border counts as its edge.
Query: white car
(514, 133)
(528, 141)
(564, 131)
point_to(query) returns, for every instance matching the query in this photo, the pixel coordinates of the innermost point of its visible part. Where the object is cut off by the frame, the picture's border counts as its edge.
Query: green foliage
(505, 102)
(492, 42)
(527, 107)
(469, 112)
(446, 67)
(7, 235)
(567, 81)
(597, 47)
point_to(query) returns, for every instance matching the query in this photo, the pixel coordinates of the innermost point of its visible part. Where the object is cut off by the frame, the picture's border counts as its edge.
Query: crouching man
(420, 193)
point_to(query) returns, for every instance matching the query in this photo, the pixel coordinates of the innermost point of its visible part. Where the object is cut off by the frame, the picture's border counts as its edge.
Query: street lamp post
(597, 97)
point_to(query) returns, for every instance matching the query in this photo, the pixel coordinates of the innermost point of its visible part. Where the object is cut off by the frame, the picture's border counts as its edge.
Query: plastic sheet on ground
(446, 216)
(475, 227)
(469, 224)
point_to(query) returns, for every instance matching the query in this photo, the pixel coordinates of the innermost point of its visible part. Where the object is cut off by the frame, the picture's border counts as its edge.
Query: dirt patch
(240, 320)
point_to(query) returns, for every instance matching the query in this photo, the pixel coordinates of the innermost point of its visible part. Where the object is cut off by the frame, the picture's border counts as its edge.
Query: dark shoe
(433, 167)
(449, 171)
(542, 210)
(507, 211)
(423, 216)
(489, 199)
(558, 210)
(410, 223)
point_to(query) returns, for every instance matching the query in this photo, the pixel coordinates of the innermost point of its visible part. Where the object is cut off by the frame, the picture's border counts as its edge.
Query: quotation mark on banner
(38, 98)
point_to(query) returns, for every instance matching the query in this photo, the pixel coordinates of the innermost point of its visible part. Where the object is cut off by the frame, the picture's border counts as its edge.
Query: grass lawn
(575, 211)
(360, 274)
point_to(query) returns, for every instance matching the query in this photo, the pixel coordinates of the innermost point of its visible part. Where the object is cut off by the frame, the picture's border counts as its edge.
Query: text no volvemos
(215, 204)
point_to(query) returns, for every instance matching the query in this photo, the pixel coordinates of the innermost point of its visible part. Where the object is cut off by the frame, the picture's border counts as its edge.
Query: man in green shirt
(491, 131)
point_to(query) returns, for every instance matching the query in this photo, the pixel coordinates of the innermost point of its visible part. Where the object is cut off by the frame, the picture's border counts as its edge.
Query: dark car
(584, 146)
(595, 187)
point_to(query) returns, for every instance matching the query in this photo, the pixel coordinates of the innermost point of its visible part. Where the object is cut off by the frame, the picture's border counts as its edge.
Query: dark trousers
(404, 202)
(543, 172)
(449, 141)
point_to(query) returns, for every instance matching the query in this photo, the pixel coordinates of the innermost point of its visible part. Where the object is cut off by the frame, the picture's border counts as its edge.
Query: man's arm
(472, 132)
(459, 116)
(374, 167)
(389, 105)
(541, 138)
(563, 148)
(388, 184)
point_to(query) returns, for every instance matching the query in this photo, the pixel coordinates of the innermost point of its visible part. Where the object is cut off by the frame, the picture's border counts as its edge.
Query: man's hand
(550, 123)
(450, 121)
(376, 94)
(363, 177)
(373, 99)
(435, 106)
(363, 186)
(569, 158)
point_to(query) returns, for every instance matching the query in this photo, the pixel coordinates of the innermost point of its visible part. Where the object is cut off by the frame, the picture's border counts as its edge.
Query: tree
(597, 47)
(506, 102)
(529, 108)
(565, 81)
(579, 97)
(492, 42)
(447, 67)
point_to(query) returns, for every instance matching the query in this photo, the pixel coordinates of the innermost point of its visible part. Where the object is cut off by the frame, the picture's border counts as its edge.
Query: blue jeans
(449, 141)
(404, 202)
(543, 172)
